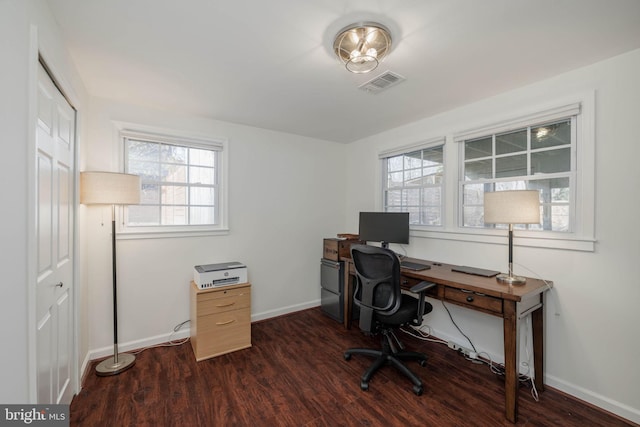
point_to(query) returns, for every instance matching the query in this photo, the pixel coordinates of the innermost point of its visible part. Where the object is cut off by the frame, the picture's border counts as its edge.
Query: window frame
(408, 149)
(172, 137)
(582, 237)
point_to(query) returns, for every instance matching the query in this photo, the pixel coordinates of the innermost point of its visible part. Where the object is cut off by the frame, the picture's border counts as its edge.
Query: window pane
(560, 218)
(473, 216)
(174, 215)
(474, 194)
(478, 169)
(173, 154)
(202, 157)
(395, 163)
(432, 196)
(140, 150)
(411, 197)
(394, 198)
(551, 161)
(478, 148)
(202, 196)
(200, 175)
(412, 177)
(174, 195)
(512, 142)
(201, 216)
(413, 160)
(148, 171)
(395, 179)
(551, 135)
(511, 166)
(431, 216)
(174, 173)
(144, 215)
(149, 194)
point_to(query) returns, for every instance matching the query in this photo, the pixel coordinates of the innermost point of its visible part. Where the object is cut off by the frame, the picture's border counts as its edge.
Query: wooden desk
(487, 295)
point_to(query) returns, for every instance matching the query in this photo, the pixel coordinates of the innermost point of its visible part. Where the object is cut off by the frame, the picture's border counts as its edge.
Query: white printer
(223, 274)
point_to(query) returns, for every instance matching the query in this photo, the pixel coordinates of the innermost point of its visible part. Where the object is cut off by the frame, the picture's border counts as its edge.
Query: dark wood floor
(295, 375)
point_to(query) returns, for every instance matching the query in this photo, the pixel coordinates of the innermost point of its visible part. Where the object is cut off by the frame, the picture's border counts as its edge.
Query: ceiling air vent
(382, 82)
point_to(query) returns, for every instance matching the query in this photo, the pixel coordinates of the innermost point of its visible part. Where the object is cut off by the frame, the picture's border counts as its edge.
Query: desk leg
(347, 296)
(511, 360)
(538, 347)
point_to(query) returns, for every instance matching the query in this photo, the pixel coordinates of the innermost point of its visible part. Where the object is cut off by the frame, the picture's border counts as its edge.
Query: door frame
(42, 53)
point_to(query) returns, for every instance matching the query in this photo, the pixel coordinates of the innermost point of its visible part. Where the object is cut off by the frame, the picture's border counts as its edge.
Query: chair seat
(405, 314)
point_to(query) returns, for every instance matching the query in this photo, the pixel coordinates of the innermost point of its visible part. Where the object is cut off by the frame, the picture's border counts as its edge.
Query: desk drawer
(222, 301)
(473, 299)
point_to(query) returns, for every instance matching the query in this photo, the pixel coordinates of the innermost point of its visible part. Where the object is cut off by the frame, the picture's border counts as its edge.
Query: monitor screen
(384, 227)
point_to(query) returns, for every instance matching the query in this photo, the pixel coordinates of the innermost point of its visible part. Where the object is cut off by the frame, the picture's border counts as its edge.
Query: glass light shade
(512, 207)
(109, 188)
(362, 46)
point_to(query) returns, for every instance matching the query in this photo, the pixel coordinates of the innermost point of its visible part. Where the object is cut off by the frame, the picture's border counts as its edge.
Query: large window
(413, 182)
(181, 182)
(538, 156)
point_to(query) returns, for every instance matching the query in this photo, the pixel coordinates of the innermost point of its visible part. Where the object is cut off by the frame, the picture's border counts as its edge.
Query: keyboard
(475, 271)
(414, 266)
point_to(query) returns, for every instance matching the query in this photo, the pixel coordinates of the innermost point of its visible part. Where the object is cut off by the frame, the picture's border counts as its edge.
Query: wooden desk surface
(443, 275)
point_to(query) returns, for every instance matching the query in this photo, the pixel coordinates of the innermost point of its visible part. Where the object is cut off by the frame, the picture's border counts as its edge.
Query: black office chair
(383, 308)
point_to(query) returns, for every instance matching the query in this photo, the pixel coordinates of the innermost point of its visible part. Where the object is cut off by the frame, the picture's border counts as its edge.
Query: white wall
(592, 312)
(26, 29)
(285, 195)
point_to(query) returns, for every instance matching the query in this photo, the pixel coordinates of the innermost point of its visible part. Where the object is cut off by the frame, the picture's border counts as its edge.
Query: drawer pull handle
(469, 298)
(226, 305)
(225, 323)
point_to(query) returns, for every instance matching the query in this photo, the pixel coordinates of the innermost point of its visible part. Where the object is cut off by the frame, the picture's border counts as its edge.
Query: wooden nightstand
(220, 320)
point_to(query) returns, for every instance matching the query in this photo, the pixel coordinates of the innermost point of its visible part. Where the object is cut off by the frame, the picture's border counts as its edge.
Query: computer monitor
(384, 227)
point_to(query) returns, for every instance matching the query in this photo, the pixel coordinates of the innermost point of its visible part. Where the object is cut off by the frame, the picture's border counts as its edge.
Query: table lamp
(108, 188)
(512, 207)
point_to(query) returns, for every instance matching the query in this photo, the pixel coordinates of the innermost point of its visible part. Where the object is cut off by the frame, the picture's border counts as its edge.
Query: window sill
(520, 238)
(156, 233)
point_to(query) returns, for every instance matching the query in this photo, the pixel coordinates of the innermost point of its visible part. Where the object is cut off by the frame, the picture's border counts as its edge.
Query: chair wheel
(347, 356)
(417, 390)
(423, 363)
(364, 386)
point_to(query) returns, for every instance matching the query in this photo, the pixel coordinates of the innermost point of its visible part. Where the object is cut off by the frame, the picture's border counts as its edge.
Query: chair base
(389, 355)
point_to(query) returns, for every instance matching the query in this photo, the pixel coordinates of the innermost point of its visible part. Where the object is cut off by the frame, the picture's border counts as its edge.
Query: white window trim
(172, 136)
(582, 238)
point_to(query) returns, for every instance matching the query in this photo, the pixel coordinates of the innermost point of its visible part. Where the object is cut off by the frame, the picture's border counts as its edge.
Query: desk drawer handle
(226, 305)
(470, 298)
(225, 323)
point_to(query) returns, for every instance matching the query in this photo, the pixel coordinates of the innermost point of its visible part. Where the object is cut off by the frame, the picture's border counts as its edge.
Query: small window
(181, 182)
(414, 183)
(535, 157)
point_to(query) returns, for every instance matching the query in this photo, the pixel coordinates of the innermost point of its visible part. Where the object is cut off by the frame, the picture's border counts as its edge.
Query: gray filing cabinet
(332, 287)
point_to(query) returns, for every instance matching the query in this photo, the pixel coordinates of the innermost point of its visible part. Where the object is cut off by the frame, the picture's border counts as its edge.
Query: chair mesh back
(378, 283)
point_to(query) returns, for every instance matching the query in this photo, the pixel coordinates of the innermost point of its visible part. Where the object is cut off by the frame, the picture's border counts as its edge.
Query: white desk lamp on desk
(512, 207)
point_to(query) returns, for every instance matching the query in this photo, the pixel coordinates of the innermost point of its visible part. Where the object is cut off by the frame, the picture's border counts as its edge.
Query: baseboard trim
(597, 400)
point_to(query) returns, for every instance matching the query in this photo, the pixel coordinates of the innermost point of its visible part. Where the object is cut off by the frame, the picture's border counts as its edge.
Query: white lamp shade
(109, 188)
(512, 207)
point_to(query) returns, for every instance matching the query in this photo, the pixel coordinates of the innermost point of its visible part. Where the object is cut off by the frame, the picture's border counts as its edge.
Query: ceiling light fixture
(362, 46)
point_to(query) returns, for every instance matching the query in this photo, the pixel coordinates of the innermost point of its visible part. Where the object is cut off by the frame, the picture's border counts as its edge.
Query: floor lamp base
(511, 280)
(111, 367)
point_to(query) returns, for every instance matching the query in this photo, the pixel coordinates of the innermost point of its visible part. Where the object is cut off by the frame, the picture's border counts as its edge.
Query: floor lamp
(512, 207)
(108, 188)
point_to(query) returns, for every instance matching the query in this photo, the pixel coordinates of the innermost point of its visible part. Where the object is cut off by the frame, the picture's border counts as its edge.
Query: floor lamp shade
(512, 207)
(108, 188)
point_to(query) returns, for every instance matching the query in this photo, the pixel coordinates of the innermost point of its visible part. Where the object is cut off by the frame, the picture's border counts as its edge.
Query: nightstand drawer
(473, 299)
(219, 302)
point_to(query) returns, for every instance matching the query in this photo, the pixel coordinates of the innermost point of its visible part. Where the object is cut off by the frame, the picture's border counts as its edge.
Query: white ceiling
(268, 63)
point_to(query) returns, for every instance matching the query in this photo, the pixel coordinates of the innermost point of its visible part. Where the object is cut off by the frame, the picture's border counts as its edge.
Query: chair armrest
(422, 287)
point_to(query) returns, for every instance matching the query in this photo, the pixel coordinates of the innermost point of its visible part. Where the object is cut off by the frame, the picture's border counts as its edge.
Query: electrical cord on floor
(170, 342)
(419, 333)
(457, 327)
